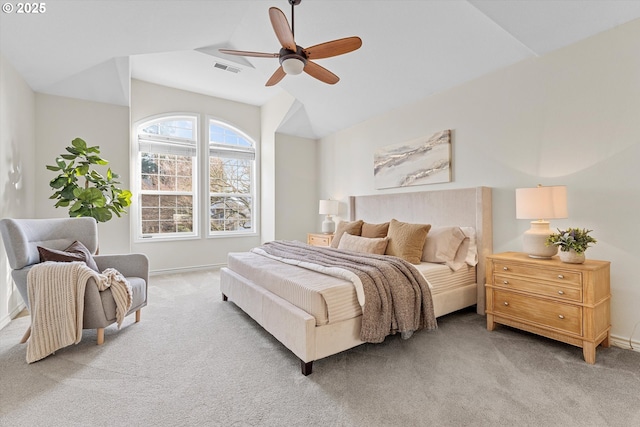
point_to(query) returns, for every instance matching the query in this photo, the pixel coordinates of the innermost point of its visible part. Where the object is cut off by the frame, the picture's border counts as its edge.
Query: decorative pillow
(351, 227)
(406, 240)
(75, 252)
(367, 245)
(467, 252)
(442, 244)
(374, 230)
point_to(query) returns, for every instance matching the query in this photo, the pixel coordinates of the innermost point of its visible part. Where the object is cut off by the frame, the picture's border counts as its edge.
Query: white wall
(272, 114)
(571, 117)
(17, 169)
(149, 100)
(58, 121)
(295, 187)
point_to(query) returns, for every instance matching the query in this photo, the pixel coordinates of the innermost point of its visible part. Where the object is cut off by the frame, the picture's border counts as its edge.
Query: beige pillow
(467, 252)
(406, 240)
(442, 244)
(351, 227)
(374, 230)
(367, 245)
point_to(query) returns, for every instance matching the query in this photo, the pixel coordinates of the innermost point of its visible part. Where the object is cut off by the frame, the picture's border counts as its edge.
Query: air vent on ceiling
(226, 67)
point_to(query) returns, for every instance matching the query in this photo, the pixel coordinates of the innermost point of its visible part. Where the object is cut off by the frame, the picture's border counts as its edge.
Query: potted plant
(99, 196)
(573, 242)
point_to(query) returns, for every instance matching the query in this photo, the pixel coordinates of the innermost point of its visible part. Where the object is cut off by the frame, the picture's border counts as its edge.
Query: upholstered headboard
(469, 207)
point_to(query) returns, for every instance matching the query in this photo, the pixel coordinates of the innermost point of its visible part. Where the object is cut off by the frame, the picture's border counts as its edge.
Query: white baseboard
(186, 269)
(625, 343)
(7, 319)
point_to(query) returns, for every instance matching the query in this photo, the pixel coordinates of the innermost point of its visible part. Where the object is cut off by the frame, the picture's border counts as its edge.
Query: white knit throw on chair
(56, 295)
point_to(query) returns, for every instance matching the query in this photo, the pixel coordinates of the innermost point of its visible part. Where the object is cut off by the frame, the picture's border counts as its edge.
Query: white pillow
(371, 245)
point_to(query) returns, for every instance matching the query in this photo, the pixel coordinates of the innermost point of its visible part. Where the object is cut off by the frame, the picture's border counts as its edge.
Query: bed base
(297, 330)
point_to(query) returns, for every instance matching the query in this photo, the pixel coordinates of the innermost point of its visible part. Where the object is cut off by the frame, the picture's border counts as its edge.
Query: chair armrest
(129, 265)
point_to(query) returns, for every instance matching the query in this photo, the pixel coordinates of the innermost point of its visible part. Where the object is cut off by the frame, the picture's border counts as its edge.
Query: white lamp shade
(292, 66)
(328, 207)
(541, 202)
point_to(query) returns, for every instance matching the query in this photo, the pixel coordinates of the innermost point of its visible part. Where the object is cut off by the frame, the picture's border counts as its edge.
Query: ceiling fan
(295, 59)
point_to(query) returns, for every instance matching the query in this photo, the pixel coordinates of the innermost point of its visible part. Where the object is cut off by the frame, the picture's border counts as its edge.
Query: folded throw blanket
(56, 296)
(397, 296)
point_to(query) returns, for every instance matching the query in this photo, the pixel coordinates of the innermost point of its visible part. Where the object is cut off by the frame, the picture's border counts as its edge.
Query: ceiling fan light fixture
(293, 66)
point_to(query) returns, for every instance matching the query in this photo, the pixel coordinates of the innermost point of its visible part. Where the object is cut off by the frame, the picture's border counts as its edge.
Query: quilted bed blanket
(397, 296)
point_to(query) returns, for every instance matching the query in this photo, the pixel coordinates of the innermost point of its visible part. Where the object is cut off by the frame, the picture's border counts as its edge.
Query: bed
(261, 286)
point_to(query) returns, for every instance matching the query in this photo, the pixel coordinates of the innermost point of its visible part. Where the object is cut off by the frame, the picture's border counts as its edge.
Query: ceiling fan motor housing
(287, 57)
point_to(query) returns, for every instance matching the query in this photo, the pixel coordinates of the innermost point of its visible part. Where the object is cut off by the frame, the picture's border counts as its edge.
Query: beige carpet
(195, 360)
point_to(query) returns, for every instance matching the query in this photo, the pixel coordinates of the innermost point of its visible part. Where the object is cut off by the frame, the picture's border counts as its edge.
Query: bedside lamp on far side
(540, 203)
(328, 208)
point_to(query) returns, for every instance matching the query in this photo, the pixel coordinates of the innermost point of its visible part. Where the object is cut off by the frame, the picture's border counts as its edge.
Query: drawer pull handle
(506, 303)
(560, 276)
(560, 316)
(505, 268)
(561, 292)
(506, 282)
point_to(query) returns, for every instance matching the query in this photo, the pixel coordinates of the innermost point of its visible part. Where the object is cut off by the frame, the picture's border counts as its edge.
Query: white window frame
(158, 139)
(253, 153)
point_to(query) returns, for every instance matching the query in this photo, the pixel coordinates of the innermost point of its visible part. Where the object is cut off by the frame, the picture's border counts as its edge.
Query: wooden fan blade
(276, 77)
(333, 48)
(247, 53)
(282, 28)
(320, 73)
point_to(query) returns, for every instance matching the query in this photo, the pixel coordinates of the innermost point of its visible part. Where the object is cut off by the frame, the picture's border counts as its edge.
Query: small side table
(319, 239)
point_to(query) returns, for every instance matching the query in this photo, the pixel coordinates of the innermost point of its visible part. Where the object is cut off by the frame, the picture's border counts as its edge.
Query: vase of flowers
(573, 242)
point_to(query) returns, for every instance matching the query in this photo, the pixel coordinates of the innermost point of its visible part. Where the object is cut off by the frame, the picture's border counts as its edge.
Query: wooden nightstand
(319, 239)
(565, 302)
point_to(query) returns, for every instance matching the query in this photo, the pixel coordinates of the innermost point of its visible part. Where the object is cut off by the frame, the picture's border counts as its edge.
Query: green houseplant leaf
(95, 196)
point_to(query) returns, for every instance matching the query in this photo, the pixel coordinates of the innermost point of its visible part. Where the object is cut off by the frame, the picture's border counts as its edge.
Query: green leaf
(73, 151)
(53, 168)
(68, 192)
(58, 182)
(79, 144)
(101, 214)
(76, 206)
(125, 197)
(82, 170)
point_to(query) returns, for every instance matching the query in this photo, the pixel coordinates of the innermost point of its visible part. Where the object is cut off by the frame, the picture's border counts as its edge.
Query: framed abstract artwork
(418, 162)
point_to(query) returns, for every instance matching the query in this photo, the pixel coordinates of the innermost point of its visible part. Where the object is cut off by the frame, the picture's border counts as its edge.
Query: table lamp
(328, 208)
(540, 203)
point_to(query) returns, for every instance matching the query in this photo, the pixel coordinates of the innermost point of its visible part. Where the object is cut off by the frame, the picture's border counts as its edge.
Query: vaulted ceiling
(411, 49)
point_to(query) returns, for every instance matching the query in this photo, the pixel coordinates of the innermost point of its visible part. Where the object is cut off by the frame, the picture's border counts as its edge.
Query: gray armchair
(21, 238)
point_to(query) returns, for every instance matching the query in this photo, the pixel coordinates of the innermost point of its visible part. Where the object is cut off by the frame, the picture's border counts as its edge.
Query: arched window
(170, 184)
(231, 180)
(167, 170)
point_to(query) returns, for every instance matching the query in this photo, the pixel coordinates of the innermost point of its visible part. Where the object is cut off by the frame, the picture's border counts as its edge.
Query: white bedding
(326, 297)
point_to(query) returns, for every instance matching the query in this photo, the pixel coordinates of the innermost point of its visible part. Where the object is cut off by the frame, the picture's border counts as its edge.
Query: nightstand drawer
(550, 314)
(548, 289)
(542, 273)
(314, 239)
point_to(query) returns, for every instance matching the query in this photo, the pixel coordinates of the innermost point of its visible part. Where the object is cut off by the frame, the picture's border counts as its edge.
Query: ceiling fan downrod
(293, 3)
